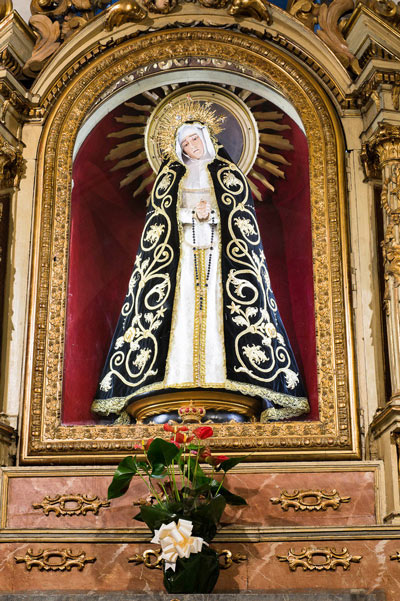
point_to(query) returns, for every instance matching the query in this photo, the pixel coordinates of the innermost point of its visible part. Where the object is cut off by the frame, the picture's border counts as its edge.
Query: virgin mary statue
(199, 311)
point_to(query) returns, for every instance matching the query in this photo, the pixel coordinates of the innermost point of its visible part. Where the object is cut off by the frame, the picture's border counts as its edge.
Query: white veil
(188, 129)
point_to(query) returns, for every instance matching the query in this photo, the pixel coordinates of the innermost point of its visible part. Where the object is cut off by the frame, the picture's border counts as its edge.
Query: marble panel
(257, 488)
(306, 596)
(262, 572)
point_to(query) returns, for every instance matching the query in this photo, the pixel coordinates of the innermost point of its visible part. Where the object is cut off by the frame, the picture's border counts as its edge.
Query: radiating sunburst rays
(130, 155)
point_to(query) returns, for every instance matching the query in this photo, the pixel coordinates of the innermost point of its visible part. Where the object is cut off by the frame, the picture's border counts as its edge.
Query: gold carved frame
(335, 434)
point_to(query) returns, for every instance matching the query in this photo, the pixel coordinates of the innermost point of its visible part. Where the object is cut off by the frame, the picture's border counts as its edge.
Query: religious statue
(200, 312)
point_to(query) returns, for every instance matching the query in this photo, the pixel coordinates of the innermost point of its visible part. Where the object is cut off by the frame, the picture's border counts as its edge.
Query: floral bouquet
(185, 504)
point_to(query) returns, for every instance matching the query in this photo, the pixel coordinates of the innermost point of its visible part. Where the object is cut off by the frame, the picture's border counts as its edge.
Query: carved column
(384, 148)
(10, 172)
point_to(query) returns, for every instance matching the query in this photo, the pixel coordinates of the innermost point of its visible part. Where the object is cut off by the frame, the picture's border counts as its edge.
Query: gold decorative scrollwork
(319, 559)
(230, 558)
(11, 164)
(125, 11)
(309, 500)
(6, 7)
(327, 16)
(395, 556)
(258, 9)
(306, 11)
(69, 505)
(152, 559)
(44, 560)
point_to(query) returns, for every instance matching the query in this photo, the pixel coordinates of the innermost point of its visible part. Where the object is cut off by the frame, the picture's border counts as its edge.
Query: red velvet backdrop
(106, 224)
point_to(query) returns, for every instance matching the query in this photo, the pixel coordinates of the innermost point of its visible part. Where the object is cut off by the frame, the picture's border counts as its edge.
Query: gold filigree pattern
(152, 559)
(54, 560)
(316, 559)
(43, 432)
(309, 500)
(68, 505)
(149, 290)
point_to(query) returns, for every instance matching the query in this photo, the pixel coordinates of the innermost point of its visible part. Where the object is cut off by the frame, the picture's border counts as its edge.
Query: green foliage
(122, 477)
(196, 574)
(161, 451)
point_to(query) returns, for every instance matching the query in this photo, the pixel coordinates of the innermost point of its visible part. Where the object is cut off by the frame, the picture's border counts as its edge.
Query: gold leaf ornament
(54, 560)
(125, 11)
(6, 7)
(319, 559)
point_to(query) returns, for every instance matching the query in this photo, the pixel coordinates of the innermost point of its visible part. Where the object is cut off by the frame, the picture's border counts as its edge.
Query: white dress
(197, 332)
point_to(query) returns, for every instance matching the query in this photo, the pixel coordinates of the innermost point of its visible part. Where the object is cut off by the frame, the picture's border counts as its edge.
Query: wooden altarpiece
(63, 109)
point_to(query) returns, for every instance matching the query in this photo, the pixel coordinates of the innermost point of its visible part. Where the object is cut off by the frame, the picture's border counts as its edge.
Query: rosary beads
(195, 257)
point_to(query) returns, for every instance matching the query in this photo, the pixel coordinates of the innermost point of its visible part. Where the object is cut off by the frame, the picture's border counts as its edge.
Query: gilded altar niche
(57, 421)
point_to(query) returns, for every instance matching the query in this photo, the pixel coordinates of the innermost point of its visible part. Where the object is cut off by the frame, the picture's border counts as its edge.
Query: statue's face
(193, 146)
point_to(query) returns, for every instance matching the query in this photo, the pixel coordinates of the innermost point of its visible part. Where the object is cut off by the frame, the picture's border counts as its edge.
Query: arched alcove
(132, 62)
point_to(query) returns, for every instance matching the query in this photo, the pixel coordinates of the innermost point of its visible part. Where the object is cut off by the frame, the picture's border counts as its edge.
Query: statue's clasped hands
(203, 209)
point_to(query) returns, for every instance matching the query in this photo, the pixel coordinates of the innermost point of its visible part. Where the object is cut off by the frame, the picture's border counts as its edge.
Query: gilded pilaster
(384, 148)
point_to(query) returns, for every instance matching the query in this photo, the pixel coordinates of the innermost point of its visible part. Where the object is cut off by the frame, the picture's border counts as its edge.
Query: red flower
(184, 438)
(205, 454)
(148, 443)
(144, 445)
(172, 439)
(218, 459)
(175, 429)
(203, 432)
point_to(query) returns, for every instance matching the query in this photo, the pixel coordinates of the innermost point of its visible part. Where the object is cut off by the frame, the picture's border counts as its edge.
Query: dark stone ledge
(352, 595)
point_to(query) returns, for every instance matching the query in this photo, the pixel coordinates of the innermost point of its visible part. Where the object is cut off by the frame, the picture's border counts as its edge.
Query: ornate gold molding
(6, 7)
(309, 500)
(382, 154)
(44, 560)
(331, 559)
(125, 11)
(11, 164)
(386, 142)
(151, 558)
(395, 556)
(370, 89)
(327, 17)
(56, 21)
(44, 435)
(69, 505)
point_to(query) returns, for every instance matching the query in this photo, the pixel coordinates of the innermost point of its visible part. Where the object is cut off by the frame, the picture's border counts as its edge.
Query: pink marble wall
(262, 572)
(256, 488)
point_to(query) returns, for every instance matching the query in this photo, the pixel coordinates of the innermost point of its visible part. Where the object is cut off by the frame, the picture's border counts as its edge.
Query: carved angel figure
(200, 311)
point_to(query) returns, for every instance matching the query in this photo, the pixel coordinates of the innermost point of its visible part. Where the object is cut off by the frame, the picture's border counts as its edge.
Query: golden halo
(213, 98)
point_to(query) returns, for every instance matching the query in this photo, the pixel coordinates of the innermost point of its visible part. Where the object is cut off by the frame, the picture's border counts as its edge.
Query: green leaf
(195, 574)
(206, 517)
(161, 451)
(229, 497)
(158, 471)
(156, 515)
(122, 477)
(230, 463)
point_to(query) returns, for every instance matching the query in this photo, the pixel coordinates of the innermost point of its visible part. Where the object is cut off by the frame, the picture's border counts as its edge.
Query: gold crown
(186, 111)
